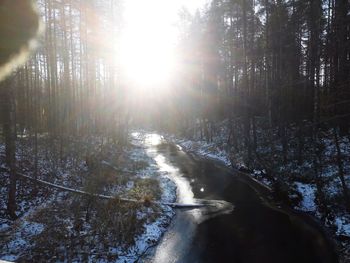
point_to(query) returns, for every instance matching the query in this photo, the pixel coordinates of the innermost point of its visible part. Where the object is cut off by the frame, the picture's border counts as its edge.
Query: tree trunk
(7, 109)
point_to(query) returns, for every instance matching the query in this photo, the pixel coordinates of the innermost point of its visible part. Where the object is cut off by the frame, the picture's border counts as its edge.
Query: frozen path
(186, 220)
(252, 231)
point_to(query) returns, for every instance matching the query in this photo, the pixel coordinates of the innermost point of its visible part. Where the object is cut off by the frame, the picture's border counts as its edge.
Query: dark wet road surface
(253, 232)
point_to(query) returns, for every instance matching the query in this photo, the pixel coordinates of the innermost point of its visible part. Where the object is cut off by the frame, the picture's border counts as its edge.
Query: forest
(104, 98)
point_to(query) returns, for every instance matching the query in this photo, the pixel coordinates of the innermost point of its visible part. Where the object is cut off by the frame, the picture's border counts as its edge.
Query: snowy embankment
(153, 231)
(24, 238)
(219, 150)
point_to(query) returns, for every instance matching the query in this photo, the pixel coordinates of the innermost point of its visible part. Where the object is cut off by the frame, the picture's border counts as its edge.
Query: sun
(147, 54)
(146, 60)
(147, 50)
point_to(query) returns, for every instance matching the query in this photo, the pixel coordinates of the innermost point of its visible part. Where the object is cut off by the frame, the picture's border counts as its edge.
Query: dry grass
(83, 226)
(145, 189)
(79, 227)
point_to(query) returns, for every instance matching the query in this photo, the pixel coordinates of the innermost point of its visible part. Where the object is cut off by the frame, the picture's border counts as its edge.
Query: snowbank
(19, 234)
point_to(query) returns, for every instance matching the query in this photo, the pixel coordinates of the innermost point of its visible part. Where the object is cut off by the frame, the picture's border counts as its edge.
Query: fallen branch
(76, 191)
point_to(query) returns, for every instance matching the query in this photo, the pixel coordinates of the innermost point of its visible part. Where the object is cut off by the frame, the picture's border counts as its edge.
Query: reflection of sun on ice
(153, 139)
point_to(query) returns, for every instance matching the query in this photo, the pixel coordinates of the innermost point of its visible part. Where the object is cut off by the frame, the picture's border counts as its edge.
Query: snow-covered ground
(16, 237)
(308, 192)
(209, 150)
(21, 238)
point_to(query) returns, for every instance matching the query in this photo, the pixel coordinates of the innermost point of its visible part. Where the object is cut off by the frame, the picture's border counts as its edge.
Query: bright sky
(149, 36)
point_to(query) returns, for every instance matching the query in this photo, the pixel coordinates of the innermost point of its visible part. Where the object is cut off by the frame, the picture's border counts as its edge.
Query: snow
(32, 228)
(153, 231)
(343, 225)
(209, 150)
(9, 258)
(20, 241)
(23, 230)
(4, 226)
(151, 235)
(308, 192)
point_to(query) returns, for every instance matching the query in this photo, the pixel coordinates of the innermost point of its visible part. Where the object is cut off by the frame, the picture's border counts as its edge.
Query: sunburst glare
(147, 51)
